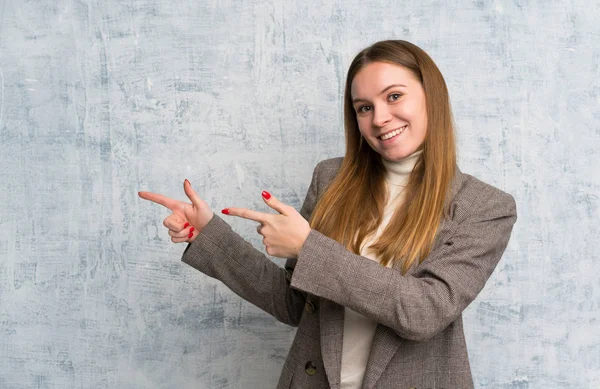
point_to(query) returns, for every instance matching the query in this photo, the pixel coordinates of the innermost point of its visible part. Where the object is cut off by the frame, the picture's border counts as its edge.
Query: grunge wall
(102, 98)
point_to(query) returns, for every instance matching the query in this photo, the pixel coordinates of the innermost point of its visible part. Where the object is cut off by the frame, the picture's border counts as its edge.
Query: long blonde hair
(352, 207)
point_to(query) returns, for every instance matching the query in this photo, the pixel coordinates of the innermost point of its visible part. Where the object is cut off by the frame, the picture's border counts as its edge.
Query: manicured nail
(190, 236)
(191, 230)
(266, 194)
(225, 211)
(186, 225)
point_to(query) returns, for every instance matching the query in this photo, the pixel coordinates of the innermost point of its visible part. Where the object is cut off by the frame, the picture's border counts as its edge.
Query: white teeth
(392, 134)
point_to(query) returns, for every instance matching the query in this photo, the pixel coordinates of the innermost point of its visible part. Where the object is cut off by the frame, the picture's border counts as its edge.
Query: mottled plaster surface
(102, 98)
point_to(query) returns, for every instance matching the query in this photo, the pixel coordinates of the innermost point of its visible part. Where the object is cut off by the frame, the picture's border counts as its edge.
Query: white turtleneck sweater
(358, 329)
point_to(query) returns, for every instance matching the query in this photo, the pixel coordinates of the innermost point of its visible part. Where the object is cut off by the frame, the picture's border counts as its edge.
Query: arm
(221, 253)
(420, 305)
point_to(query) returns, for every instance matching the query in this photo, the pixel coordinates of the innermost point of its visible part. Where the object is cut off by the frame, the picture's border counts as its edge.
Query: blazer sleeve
(421, 304)
(221, 253)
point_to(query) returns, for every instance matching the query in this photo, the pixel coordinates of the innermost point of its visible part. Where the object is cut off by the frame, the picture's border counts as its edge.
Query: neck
(397, 172)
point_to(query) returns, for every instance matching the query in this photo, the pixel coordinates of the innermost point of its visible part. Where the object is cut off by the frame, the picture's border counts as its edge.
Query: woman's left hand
(284, 233)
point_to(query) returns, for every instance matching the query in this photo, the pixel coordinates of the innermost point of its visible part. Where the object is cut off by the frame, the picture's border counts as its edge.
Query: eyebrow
(388, 87)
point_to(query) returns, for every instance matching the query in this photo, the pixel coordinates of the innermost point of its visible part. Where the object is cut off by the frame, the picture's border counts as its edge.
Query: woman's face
(390, 109)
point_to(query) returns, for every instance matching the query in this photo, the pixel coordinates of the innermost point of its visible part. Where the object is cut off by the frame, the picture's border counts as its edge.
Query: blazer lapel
(385, 342)
(331, 318)
(383, 349)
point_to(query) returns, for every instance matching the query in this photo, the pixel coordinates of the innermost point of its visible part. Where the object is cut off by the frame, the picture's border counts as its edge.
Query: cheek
(423, 118)
(419, 116)
(363, 125)
(421, 129)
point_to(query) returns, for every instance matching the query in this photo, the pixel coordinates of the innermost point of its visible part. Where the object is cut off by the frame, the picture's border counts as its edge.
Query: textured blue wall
(100, 99)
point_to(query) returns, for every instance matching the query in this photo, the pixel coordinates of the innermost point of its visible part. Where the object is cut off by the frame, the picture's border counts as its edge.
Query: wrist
(305, 234)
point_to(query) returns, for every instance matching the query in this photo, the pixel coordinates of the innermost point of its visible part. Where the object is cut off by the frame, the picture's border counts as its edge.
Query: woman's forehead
(376, 76)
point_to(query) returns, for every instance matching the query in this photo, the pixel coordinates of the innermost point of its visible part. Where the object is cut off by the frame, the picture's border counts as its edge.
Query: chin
(396, 155)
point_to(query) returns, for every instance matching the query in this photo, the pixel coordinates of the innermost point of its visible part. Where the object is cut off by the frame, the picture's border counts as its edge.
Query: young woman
(392, 242)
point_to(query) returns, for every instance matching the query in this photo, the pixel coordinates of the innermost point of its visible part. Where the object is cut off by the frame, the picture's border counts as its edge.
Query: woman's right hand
(187, 220)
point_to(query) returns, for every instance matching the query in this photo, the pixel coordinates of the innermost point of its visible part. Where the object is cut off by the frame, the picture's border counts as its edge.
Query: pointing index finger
(160, 199)
(249, 214)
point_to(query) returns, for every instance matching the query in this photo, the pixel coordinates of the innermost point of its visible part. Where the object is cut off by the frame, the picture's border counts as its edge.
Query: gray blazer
(419, 342)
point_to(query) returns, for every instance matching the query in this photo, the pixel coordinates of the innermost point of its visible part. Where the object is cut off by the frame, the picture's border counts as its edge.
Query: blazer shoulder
(476, 195)
(327, 169)
(330, 164)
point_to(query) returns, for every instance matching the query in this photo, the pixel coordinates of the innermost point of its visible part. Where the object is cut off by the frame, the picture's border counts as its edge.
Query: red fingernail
(185, 225)
(190, 236)
(225, 211)
(266, 194)
(191, 230)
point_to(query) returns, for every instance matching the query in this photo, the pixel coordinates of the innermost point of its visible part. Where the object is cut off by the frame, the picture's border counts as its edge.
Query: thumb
(191, 194)
(274, 203)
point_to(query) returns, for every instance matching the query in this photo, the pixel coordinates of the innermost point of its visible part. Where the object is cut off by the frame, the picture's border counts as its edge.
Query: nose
(381, 116)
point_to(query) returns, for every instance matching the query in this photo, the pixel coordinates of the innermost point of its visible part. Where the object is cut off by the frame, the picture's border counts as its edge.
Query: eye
(363, 109)
(394, 96)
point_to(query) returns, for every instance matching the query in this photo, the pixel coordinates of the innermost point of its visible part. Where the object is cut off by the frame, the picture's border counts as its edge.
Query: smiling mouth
(392, 134)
